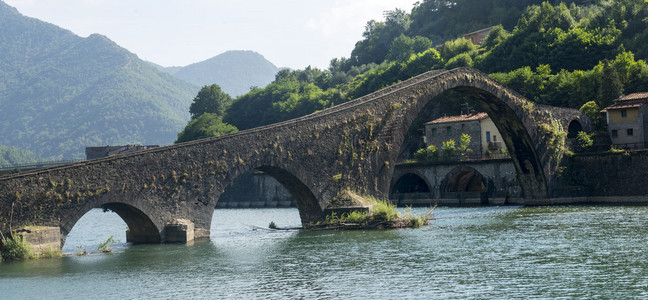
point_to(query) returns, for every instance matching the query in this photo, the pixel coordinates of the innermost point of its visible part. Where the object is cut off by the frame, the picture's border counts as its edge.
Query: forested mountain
(60, 93)
(234, 71)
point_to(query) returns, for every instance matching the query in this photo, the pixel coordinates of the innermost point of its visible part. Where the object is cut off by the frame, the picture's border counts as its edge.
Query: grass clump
(357, 217)
(105, 246)
(15, 248)
(378, 214)
(382, 210)
(272, 225)
(51, 253)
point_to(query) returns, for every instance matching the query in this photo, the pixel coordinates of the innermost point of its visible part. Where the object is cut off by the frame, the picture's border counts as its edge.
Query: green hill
(60, 92)
(234, 71)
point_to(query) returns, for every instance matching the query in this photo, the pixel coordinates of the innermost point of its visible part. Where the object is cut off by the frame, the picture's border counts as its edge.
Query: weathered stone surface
(615, 175)
(179, 231)
(352, 146)
(498, 177)
(41, 239)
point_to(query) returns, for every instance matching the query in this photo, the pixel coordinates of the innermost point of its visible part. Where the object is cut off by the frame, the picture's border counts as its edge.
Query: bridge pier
(179, 231)
(41, 239)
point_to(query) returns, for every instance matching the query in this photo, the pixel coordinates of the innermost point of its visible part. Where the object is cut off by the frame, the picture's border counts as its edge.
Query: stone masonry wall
(607, 175)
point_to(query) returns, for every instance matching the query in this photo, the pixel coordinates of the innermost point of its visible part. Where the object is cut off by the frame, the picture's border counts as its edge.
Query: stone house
(485, 138)
(627, 121)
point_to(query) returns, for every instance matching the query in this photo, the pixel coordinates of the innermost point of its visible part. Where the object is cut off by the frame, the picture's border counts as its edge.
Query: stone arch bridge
(350, 147)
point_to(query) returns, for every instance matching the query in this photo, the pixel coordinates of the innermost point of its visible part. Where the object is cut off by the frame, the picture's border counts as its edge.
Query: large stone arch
(512, 114)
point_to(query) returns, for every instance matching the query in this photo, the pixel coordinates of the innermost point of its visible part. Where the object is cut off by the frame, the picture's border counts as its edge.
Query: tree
(610, 87)
(592, 111)
(206, 125)
(210, 99)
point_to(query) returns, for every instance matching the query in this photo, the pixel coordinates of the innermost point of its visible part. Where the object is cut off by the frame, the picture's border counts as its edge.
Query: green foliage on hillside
(210, 99)
(207, 125)
(11, 156)
(60, 93)
(291, 95)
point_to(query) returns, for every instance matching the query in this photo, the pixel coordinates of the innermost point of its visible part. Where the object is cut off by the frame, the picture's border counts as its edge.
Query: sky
(289, 33)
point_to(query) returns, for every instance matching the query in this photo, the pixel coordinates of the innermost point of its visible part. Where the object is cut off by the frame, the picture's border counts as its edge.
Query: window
(624, 113)
(615, 133)
(448, 130)
(494, 138)
(629, 131)
(433, 131)
(487, 136)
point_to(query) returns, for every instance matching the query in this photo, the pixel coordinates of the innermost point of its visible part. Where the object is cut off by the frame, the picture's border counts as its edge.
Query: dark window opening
(624, 113)
(448, 130)
(629, 131)
(615, 133)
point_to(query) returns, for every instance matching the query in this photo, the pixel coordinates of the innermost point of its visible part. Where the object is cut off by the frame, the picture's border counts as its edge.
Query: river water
(485, 252)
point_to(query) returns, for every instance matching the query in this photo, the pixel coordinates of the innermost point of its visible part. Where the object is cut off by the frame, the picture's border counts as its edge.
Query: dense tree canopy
(11, 156)
(210, 99)
(206, 125)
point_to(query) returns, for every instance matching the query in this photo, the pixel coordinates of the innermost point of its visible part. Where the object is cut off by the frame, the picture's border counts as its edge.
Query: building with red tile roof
(485, 138)
(627, 121)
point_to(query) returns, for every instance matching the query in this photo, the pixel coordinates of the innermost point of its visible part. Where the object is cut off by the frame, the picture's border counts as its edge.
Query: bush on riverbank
(15, 248)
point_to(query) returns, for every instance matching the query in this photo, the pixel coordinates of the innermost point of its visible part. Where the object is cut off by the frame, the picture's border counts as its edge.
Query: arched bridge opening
(299, 193)
(505, 111)
(140, 228)
(464, 180)
(410, 186)
(574, 128)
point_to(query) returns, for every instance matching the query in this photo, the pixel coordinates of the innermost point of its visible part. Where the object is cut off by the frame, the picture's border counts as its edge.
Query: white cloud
(347, 16)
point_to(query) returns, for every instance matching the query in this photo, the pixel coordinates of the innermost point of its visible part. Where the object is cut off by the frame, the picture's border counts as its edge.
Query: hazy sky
(289, 33)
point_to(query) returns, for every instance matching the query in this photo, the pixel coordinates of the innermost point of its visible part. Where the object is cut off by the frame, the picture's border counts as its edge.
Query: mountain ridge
(60, 92)
(235, 71)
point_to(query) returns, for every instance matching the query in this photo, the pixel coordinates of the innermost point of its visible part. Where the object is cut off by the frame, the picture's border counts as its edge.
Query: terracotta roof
(479, 31)
(460, 118)
(629, 101)
(634, 96)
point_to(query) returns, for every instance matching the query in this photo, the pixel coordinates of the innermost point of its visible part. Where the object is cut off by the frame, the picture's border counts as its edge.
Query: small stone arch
(410, 185)
(574, 128)
(141, 228)
(411, 181)
(464, 182)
